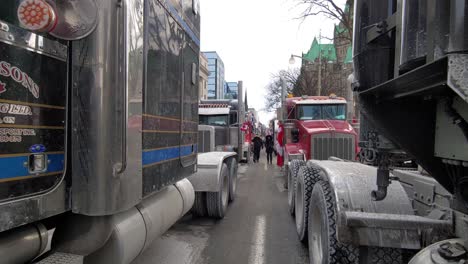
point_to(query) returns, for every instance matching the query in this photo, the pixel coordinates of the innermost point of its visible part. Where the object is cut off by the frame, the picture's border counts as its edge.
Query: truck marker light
(36, 15)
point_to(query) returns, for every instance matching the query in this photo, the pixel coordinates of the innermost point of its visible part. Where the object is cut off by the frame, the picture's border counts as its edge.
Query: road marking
(280, 185)
(257, 250)
(242, 169)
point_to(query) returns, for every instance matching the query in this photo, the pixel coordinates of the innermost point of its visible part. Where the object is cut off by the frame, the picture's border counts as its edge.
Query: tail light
(37, 15)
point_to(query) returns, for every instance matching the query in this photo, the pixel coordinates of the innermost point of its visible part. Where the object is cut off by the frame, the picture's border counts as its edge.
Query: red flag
(279, 138)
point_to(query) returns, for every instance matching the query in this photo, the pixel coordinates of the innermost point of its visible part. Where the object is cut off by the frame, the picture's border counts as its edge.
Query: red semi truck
(316, 128)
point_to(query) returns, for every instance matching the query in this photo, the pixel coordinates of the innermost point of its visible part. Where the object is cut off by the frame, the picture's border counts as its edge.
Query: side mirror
(295, 135)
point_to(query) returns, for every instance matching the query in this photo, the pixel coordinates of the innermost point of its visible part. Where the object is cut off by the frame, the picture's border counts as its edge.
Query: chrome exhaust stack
(23, 244)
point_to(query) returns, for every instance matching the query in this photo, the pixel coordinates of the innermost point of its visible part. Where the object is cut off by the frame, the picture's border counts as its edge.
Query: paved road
(257, 229)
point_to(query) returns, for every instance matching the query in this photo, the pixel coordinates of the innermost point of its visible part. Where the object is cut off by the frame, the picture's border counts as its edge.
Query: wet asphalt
(256, 230)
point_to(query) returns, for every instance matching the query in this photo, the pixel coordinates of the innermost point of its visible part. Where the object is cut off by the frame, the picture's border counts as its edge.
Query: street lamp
(319, 86)
(293, 61)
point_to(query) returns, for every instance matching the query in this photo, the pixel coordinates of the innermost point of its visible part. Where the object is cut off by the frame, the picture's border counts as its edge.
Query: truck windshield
(214, 120)
(321, 112)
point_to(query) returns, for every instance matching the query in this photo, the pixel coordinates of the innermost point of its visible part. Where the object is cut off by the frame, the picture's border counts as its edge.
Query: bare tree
(273, 97)
(307, 81)
(330, 9)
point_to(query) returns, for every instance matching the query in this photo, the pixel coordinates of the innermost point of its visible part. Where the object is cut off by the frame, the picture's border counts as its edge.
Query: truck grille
(204, 141)
(337, 145)
(221, 136)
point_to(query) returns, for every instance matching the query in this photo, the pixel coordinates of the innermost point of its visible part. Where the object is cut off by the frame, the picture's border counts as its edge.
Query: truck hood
(321, 126)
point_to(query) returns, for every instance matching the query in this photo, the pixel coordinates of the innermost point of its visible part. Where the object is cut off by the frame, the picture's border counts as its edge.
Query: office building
(216, 76)
(231, 90)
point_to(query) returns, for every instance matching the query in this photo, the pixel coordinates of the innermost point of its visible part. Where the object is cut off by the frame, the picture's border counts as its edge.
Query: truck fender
(294, 151)
(207, 177)
(362, 221)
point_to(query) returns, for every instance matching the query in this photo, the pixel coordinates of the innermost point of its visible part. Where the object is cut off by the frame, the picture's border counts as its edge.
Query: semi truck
(220, 126)
(99, 127)
(316, 128)
(410, 66)
(220, 141)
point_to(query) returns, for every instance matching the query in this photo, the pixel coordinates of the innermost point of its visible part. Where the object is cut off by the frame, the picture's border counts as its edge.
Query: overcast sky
(255, 38)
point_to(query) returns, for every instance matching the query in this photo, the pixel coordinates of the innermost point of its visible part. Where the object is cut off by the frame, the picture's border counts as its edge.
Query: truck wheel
(324, 247)
(292, 175)
(199, 206)
(305, 181)
(380, 255)
(217, 202)
(232, 180)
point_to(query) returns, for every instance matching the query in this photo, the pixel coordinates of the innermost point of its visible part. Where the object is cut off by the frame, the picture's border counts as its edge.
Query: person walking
(269, 147)
(258, 145)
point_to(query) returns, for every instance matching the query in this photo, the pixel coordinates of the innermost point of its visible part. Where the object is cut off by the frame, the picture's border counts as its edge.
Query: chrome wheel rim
(225, 194)
(315, 237)
(299, 205)
(290, 189)
(234, 180)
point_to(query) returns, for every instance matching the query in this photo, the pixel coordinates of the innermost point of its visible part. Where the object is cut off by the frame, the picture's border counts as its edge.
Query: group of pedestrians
(270, 147)
(259, 144)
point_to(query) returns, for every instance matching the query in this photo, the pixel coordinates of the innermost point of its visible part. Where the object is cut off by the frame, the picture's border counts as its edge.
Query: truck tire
(291, 181)
(305, 181)
(217, 202)
(324, 247)
(232, 179)
(199, 205)
(380, 255)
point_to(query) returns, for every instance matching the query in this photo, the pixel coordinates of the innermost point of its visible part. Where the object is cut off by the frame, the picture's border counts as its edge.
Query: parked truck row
(410, 66)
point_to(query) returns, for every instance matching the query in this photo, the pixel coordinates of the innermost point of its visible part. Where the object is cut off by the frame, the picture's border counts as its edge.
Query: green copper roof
(328, 51)
(339, 29)
(346, 8)
(349, 55)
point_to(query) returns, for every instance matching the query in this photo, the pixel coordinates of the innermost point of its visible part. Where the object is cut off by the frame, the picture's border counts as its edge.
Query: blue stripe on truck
(14, 167)
(166, 154)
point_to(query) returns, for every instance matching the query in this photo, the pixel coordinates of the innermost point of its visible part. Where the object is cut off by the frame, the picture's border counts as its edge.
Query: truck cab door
(189, 103)
(33, 110)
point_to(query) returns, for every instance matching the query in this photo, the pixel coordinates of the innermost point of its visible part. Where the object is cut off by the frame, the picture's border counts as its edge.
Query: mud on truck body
(410, 66)
(99, 127)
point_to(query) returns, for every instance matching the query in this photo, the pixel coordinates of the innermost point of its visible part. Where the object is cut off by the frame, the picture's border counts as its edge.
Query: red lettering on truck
(2, 87)
(17, 75)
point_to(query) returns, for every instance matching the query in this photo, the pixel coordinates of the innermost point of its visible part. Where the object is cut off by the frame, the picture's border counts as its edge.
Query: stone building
(203, 80)
(336, 66)
(335, 61)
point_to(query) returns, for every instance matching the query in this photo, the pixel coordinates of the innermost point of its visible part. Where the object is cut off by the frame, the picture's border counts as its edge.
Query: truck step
(62, 258)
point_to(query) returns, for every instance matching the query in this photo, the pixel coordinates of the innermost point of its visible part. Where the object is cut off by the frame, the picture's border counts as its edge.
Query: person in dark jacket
(270, 148)
(258, 145)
